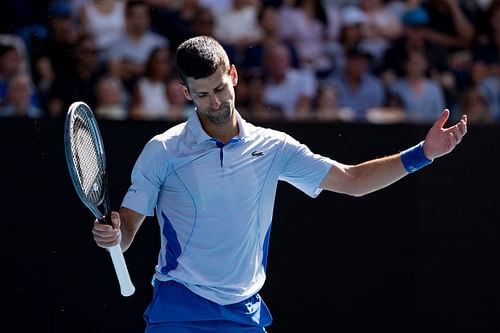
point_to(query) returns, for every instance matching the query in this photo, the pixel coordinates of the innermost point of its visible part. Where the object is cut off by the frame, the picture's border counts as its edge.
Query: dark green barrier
(419, 256)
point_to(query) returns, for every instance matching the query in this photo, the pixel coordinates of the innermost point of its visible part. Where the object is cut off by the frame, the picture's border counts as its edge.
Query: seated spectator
(10, 65)
(217, 6)
(250, 102)
(352, 21)
(474, 104)
(174, 19)
(78, 84)
(490, 88)
(238, 27)
(486, 48)
(391, 112)
(448, 24)
(52, 56)
(269, 22)
(128, 55)
(357, 88)
(14, 58)
(149, 98)
(422, 97)
(105, 20)
(287, 89)
(180, 108)
(415, 23)
(326, 107)
(111, 98)
(204, 24)
(18, 103)
(381, 28)
(305, 25)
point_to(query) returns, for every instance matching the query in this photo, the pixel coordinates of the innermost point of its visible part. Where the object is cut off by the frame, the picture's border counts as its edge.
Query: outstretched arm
(367, 177)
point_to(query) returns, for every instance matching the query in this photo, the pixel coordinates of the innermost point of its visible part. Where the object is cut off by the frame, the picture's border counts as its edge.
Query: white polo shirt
(214, 204)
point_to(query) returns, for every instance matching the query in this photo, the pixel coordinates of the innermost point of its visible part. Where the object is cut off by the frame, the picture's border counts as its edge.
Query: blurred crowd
(370, 61)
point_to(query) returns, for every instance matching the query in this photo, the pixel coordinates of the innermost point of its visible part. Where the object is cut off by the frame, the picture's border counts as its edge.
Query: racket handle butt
(126, 286)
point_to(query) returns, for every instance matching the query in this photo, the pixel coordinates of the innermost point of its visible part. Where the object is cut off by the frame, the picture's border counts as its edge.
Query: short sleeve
(302, 168)
(147, 177)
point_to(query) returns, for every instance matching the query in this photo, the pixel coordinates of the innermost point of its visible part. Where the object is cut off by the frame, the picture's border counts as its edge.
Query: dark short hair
(200, 57)
(131, 4)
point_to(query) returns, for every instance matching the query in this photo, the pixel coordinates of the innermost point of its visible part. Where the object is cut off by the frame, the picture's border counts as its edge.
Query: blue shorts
(175, 308)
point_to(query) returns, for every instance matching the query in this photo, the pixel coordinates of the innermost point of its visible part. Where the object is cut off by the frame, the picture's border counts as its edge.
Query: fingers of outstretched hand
(443, 118)
(459, 130)
(105, 235)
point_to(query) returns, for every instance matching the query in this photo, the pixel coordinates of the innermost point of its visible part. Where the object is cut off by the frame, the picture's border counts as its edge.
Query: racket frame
(120, 266)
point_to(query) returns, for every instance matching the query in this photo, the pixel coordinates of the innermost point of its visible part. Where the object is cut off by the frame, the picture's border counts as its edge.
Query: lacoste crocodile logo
(256, 153)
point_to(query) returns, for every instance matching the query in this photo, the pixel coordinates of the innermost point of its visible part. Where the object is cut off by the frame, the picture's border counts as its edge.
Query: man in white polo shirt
(212, 181)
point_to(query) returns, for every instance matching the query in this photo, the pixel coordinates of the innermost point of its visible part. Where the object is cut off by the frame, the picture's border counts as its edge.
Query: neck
(222, 132)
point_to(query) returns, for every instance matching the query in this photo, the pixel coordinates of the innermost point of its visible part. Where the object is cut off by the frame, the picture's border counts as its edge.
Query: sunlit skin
(214, 99)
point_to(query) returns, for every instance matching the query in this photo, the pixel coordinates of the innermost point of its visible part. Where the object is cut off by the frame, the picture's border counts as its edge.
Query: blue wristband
(414, 158)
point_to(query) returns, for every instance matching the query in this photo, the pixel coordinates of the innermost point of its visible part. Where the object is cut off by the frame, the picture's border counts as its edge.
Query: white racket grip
(126, 286)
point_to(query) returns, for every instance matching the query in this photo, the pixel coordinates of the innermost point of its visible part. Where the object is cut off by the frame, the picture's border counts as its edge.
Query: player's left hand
(441, 141)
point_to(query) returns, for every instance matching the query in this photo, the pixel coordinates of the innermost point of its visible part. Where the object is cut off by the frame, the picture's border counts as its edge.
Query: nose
(214, 102)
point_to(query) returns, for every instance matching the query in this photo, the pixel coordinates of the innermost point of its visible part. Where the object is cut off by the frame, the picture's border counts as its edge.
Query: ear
(234, 75)
(185, 91)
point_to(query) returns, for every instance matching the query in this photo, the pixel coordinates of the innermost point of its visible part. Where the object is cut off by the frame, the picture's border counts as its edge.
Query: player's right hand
(106, 235)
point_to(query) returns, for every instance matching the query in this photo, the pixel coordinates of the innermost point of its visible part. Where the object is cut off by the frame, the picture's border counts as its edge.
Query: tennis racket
(86, 160)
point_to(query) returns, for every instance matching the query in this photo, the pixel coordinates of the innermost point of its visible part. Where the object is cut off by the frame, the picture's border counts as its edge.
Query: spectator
(448, 24)
(173, 19)
(19, 91)
(357, 88)
(111, 98)
(474, 104)
(305, 25)
(287, 89)
(486, 65)
(129, 54)
(414, 38)
(149, 98)
(238, 26)
(486, 49)
(105, 20)
(52, 56)
(217, 6)
(250, 91)
(203, 22)
(422, 97)
(269, 22)
(11, 40)
(326, 106)
(256, 107)
(391, 112)
(80, 80)
(204, 25)
(490, 87)
(351, 34)
(10, 65)
(381, 28)
(180, 107)
(451, 24)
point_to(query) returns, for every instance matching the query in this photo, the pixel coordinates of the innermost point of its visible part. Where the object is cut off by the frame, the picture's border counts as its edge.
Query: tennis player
(212, 182)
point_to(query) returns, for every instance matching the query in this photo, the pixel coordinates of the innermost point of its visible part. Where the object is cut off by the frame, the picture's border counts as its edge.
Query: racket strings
(86, 159)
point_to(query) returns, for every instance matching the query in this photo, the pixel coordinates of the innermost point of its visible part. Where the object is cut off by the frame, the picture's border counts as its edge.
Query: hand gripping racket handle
(126, 286)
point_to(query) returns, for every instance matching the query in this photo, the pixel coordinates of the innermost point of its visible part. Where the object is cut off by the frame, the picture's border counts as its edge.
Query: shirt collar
(200, 136)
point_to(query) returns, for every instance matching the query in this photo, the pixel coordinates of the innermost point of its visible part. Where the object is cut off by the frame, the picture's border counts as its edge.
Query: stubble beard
(222, 115)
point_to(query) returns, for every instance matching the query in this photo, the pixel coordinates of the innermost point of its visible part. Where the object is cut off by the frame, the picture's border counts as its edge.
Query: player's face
(214, 95)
